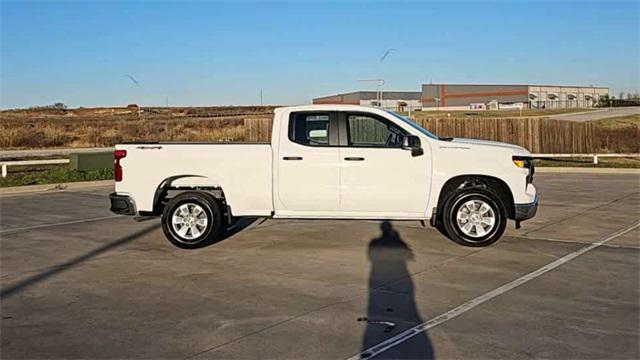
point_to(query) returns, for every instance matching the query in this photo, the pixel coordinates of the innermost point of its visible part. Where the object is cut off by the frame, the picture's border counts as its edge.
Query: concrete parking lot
(78, 282)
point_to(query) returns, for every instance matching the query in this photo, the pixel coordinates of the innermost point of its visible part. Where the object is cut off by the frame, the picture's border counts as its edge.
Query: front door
(378, 177)
(308, 165)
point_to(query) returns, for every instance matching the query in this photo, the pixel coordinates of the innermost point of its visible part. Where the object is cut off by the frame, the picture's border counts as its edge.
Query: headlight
(525, 162)
(522, 161)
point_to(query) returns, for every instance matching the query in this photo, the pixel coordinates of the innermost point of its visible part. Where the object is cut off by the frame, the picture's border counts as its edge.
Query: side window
(368, 131)
(309, 129)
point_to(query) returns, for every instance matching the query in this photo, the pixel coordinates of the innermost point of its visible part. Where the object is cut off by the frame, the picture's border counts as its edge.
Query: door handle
(354, 158)
(292, 158)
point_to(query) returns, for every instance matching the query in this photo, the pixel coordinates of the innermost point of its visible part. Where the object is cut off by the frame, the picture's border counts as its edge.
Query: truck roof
(334, 107)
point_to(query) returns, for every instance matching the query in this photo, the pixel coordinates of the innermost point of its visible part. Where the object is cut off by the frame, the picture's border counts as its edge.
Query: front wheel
(192, 220)
(474, 217)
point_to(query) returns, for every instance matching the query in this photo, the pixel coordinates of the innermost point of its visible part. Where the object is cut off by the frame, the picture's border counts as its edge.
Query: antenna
(379, 91)
(379, 82)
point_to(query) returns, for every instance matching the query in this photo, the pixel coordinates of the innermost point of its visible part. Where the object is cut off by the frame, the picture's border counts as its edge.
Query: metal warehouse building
(397, 100)
(478, 97)
(460, 96)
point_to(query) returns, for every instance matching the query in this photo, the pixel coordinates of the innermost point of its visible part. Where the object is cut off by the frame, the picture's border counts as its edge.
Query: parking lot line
(573, 242)
(26, 228)
(457, 311)
(561, 219)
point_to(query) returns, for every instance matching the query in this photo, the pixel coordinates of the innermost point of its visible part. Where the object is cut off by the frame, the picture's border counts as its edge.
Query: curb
(54, 187)
(586, 170)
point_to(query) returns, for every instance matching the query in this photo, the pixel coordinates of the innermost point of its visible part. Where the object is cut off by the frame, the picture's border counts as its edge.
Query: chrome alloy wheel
(189, 221)
(476, 218)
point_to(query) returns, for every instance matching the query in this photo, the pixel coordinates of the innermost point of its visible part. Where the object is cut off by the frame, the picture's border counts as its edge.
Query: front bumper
(526, 211)
(122, 204)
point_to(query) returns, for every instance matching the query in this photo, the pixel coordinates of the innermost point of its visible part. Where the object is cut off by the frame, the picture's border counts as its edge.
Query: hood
(489, 143)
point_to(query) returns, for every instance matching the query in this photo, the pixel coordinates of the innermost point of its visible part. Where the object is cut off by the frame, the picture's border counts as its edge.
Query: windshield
(412, 124)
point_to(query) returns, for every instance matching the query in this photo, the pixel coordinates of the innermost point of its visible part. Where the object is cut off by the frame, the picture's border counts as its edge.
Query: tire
(192, 220)
(474, 217)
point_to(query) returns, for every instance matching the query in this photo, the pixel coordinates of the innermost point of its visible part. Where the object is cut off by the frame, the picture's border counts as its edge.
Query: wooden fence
(257, 129)
(534, 134)
(538, 135)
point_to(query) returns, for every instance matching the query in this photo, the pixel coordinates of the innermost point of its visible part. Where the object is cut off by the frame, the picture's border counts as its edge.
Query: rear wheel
(474, 217)
(192, 220)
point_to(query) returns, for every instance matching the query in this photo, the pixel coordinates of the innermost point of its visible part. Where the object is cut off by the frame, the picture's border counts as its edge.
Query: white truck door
(308, 164)
(378, 177)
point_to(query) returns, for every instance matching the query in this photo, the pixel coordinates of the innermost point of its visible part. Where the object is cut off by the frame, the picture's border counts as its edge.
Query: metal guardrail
(23, 154)
(5, 164)
(594, 156)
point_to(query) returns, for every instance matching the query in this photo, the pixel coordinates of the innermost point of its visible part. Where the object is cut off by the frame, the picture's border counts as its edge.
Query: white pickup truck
(328, 162)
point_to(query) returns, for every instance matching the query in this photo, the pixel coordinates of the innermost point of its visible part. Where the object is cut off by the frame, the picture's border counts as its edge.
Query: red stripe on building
(488, 93)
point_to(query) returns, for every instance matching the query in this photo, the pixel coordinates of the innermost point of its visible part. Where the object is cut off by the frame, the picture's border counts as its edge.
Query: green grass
(52, 175)
(588, 162)
(619, 122)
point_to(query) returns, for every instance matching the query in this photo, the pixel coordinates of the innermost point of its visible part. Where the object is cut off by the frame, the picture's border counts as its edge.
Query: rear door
(378, 177)
(308, 164)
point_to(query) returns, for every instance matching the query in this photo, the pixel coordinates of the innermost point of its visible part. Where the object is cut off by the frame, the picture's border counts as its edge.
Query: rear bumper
(526, 211)
(122, 204)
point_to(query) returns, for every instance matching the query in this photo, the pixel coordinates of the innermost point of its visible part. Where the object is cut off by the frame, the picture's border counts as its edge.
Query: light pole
(379, 94)
(379, 82)
(137, 84)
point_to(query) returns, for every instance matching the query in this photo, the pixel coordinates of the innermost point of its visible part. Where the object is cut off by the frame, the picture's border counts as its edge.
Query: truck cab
(329, 162)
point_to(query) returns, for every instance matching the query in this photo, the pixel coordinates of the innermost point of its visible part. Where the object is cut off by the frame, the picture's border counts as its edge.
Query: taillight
(117, 168)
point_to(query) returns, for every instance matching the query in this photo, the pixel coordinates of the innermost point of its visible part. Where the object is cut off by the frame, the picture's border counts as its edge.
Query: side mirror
(412, 142)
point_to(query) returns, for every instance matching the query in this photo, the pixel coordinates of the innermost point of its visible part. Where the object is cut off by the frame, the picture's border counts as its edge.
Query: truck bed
(243, 170)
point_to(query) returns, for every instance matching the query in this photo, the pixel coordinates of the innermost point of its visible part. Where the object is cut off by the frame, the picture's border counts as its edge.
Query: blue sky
(213, 53)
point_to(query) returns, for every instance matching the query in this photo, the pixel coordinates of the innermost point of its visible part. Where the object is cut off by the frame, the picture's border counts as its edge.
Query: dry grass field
(28, 129)
(619, 134)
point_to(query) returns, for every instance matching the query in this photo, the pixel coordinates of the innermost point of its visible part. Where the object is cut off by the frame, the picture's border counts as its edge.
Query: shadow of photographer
(391, 304)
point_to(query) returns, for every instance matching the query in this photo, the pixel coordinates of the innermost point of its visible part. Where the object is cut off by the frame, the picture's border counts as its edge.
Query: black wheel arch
(499, 187)
(165, 191)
